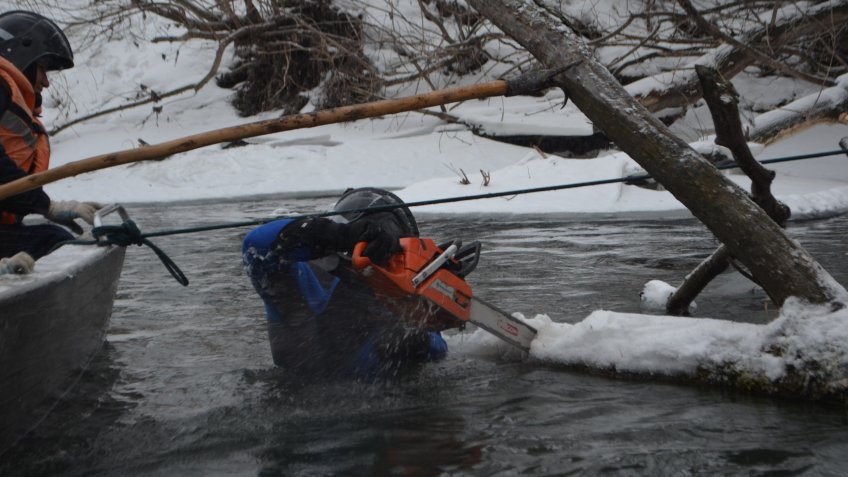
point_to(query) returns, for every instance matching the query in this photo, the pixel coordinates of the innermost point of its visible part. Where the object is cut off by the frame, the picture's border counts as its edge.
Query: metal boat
(52, 324)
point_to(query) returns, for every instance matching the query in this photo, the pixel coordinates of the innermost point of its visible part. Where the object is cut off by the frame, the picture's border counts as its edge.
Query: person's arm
(275, 248)
(275, 253)
(258, 253)
(35, 201)
(306, 239)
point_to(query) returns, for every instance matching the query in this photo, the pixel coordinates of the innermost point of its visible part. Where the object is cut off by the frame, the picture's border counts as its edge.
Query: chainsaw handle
(358, 260)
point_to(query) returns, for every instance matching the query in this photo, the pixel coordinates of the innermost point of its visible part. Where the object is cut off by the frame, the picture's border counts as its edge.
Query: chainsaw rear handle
(358, 260)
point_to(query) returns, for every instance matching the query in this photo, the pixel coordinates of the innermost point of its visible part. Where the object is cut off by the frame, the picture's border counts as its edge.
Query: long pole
(524, 84)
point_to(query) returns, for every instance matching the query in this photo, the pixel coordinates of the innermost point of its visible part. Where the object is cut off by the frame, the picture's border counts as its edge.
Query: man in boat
(323, 316)
(30, 46)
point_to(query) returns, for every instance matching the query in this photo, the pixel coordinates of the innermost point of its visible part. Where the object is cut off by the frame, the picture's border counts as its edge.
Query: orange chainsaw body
(446, 296)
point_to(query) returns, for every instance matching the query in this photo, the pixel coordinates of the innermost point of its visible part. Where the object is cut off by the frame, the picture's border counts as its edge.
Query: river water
(185, 385)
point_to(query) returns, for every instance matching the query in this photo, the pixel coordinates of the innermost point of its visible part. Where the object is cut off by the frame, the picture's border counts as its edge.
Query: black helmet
(355, 199)
(27, 37)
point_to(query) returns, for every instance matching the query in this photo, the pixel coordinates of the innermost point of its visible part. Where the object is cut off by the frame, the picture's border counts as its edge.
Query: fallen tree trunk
(681, 88)
(783, 267)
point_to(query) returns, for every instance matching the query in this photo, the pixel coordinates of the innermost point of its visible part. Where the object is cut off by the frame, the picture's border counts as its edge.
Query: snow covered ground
(419, 155)
(422, 157)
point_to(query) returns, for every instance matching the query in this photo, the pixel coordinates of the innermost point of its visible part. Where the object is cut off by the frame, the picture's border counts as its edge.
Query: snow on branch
(830, 104)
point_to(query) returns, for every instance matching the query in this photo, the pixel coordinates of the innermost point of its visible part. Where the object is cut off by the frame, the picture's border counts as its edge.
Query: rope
(125, 234)
(490, 195)
(128, 232)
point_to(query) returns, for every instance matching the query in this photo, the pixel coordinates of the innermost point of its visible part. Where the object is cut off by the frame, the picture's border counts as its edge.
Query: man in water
(324, 318)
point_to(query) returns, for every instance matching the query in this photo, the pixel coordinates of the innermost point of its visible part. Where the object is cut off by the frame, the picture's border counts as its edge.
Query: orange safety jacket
(21, 133)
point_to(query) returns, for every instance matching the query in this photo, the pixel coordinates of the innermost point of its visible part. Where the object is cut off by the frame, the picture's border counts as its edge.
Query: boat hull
(50, 330)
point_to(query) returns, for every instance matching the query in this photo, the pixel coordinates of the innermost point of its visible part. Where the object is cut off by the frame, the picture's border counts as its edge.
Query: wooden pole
(532, 82)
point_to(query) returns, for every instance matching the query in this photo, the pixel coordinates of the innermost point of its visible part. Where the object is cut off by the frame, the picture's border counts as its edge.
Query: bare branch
(758, 55)
(155, 97)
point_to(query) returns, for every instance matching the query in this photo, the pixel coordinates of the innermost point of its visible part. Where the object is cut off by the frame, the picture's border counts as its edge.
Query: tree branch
(681, 88)
(755, 53)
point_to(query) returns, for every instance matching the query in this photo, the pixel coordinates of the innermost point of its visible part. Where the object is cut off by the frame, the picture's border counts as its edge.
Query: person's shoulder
(266, 233)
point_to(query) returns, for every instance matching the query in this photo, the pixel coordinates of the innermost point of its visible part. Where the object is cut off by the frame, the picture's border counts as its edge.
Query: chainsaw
(425, 283)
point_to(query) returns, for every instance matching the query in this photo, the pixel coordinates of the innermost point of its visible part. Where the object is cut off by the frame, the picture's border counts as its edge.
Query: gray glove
(65, 211)
(20, 263)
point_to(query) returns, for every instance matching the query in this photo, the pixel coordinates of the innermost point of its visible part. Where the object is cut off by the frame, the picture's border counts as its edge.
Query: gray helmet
(27, 37)
(356, 199)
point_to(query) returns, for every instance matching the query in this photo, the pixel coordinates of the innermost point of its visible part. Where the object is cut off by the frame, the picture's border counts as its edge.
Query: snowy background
(421, 157)
(415, 153)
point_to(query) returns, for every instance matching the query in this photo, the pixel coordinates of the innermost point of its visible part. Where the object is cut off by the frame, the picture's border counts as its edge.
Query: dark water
(185, 384)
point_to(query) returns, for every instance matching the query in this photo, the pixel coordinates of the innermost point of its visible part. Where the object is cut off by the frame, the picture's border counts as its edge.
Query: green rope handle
(128, 233)
(124, 235)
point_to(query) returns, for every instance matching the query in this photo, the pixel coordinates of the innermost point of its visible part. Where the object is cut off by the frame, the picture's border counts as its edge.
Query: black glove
(382, 233)
(323, 236)
(320, 235)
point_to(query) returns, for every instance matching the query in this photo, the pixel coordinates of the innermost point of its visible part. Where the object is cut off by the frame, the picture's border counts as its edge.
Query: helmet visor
(356, 202)
(361, 203)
